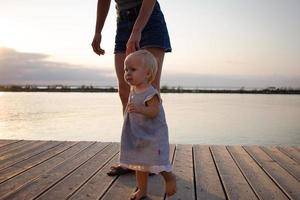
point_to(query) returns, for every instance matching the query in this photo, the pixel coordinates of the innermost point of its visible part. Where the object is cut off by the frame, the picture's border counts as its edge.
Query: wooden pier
(77, 170)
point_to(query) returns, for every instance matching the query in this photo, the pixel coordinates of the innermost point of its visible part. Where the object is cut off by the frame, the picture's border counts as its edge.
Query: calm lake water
(192, 118)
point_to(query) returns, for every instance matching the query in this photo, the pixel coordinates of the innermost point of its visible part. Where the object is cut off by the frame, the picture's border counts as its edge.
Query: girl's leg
(159, 54)
(122, 85)
(170, 181)
(142, 184)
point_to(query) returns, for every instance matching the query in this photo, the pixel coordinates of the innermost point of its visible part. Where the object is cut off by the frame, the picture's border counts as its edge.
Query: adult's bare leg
(122, 85)
(169, 177)
(159, 54)
(123, 90)
(119, 67)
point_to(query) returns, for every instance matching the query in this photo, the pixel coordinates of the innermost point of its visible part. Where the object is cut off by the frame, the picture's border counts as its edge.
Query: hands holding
(133, 43)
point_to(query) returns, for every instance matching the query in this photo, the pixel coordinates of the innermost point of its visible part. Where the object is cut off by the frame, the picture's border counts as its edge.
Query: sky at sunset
(228, 43)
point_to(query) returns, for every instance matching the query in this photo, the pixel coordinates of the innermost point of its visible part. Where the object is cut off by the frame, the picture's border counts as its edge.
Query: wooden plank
(17, 146)
(96, 187)
(16, 152)
(280, 176)
(41, 184)
(291, 152)
(11, 144)
(183, 170)
(263, 186)
(7, 142)
(78, 171)
(26, 148)
(72, 182)
(283, 160)
(11, 185)
(121, 188)
(208, 183)
(236, 187)
(24, 165)
(297, 148)
(20, 151)
(37, 148)
(126, 184)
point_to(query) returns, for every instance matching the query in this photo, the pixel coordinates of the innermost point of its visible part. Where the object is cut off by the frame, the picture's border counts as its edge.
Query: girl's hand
(133, 43)
(96, 44)
(131, 107)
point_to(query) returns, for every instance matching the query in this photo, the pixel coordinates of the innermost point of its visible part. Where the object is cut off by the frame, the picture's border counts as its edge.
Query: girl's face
(135, 73)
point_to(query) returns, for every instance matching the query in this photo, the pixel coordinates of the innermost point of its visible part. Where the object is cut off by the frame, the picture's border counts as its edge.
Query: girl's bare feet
(170, 181)
(138, 195)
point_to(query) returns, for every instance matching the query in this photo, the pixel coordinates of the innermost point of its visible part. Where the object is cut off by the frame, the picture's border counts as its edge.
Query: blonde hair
(148, 60)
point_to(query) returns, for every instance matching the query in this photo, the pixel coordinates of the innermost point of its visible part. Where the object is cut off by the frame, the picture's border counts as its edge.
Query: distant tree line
(56, 88)
(267, 90)
(164, 89)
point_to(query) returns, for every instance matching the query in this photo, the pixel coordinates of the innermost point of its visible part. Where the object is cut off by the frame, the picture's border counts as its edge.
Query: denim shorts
(154, 34)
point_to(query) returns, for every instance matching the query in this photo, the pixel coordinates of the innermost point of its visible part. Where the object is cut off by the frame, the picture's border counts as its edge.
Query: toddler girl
(144, 141)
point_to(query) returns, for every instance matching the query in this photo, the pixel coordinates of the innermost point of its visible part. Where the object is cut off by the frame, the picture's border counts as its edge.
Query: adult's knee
(124, 92)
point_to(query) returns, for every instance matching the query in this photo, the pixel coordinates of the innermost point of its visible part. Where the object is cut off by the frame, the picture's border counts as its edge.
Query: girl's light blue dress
(145, 141)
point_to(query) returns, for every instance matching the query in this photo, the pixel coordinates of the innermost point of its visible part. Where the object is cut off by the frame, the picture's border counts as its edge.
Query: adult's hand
(133, 43)
(96, 44)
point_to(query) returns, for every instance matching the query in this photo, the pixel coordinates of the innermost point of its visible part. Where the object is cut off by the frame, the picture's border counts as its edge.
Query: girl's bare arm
(150, 110)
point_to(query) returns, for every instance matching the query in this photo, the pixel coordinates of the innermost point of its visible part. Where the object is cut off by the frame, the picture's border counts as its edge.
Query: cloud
(33, 68)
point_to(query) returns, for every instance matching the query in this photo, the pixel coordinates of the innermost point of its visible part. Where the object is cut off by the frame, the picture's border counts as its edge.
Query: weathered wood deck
(77, 170)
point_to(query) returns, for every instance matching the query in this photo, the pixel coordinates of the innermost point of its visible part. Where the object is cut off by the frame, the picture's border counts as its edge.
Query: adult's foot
(119, 170)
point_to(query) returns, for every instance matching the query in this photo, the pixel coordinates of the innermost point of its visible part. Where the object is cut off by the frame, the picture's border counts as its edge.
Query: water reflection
(192, 118)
